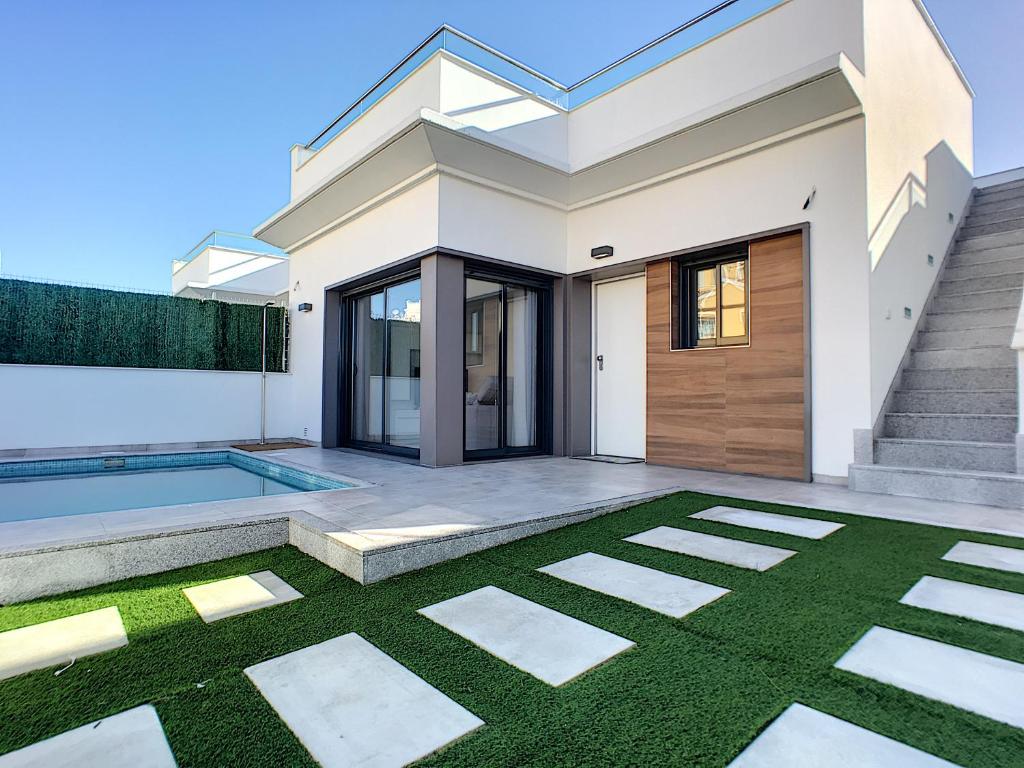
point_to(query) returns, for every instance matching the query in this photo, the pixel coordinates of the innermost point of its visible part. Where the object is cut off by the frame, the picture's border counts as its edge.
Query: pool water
(57, 488)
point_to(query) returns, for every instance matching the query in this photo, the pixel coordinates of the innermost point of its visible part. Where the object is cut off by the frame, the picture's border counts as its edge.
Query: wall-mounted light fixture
(601, 252)
(305, 307)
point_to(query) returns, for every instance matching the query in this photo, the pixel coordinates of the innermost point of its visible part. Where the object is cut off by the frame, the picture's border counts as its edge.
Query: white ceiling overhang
(428, 141)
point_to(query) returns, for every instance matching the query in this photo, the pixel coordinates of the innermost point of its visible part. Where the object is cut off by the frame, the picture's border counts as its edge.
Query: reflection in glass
(367, 367)
(734, 299)
(521, 367)
(403, 375)
(707, 304)
(483, 365)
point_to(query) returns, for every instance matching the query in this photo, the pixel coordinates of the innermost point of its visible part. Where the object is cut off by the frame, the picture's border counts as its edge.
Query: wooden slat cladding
(736, 409)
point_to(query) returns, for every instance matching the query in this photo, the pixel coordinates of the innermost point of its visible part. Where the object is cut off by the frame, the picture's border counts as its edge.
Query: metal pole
(263, 378)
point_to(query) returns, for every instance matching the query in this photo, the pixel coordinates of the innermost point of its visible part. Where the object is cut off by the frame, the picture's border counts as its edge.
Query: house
(232, 267)
(712, 253)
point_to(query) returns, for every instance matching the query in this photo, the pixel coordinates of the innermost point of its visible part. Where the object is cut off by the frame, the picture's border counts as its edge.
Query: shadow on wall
(916, 225)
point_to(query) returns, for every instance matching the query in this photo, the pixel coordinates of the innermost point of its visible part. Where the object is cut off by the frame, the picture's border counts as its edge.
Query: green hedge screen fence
(50, 324)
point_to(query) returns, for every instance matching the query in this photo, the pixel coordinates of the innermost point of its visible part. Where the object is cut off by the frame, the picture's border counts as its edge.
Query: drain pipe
(263, 379)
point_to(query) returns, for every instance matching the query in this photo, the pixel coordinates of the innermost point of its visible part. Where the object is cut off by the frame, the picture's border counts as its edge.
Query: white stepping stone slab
(128, 740)
(675, 596)
(985, 685)
(802, 737)
(350, 704)
(992, 606)
(770, 521)
(241, 594)
(542, 642)
(987, 556)
(60, 641)
(743, 554)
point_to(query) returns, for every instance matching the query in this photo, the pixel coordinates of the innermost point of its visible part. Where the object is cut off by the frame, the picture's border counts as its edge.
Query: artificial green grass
(693, 691)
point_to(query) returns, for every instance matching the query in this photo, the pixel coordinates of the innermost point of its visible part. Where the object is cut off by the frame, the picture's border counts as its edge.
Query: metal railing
(698, 30)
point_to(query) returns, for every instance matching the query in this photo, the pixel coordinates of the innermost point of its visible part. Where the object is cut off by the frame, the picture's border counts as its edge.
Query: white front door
(620, 339)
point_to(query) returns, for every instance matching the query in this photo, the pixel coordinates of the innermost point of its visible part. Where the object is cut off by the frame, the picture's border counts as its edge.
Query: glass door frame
(545, 362)
(347, 370)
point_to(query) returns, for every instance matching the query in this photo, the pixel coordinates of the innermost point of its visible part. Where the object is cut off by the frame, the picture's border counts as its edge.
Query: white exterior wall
(234, 271)
(783, 40)
(757, 193)
(419, 90)
(508, 114)
(919, 123)
(51, 406)
(481, 220)
(399, 228)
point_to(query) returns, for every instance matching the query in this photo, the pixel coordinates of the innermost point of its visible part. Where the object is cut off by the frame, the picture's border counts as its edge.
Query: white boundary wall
(50, 406)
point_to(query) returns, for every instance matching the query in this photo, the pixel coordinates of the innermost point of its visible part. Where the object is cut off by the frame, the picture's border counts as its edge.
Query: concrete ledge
(66, 567)
(991, 488)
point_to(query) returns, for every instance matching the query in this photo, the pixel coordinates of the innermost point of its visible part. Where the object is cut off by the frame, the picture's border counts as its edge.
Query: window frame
(684, 303)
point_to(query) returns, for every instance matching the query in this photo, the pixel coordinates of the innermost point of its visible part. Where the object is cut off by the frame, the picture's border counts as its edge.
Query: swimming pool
(32, 490)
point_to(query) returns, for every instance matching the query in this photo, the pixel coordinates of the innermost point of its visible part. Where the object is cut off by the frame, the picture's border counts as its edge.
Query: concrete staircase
(950, 426)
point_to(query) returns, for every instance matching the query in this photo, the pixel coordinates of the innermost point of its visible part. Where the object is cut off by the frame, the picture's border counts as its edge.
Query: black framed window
(712, 301)
(507, 373)
(382, 385)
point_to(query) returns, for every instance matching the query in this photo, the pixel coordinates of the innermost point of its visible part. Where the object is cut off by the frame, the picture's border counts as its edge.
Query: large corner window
(711, 298)
(384, 368)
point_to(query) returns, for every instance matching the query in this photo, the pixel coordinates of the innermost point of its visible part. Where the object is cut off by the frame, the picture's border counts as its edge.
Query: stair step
(974, 357)
(999, 194)
(959, 378)
(1014, 184)
(973, 229)
(983, 268)
(964, 338)
(959, 258)
(1002, 401)
(977, 300)
(991, 204)
(984, 242)
(971, 427)
(958, 286)
(1013, 212)
(947, 454)
(970, 318)
(972, 487)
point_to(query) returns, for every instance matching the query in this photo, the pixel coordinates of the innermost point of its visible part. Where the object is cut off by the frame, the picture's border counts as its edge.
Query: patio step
(952, 454)
(959, 378)
(956, 286)
(1012, 190)
(1001, 401)
(976, 229)
(973, 487)
(989, 299)
(970, 318)
(963, 258)
(965, 338)
(985, 267)
(974, 427)
(996, 215)
(991, 356)
(967, 243)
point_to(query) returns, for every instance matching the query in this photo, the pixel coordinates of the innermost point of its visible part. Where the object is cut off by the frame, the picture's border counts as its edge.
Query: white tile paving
(743, 554)
(666, 593)
(992, 606)
(241, 594)
(127, 740)
(350, 704)
(59, 641)
(987, 556)
(985, 685)
(802, 737)
(547, 644)
(804, 527)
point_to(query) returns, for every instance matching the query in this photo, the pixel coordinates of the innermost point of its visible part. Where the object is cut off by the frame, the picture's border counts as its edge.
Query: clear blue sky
(128, 130)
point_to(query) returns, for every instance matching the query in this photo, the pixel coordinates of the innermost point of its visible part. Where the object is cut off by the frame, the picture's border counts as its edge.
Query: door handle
(600, 362)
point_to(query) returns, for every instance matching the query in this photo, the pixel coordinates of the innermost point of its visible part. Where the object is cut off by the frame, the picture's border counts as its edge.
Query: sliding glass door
(384, 368)
(504, 365)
